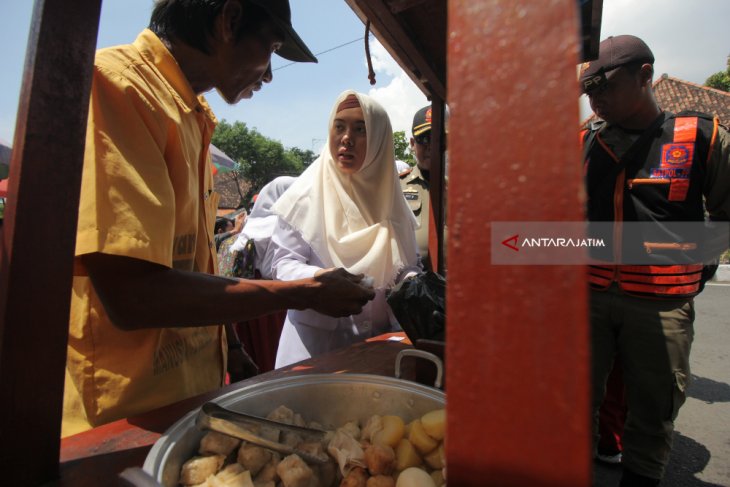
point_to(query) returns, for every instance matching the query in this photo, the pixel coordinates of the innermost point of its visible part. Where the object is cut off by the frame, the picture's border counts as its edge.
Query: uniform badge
(670, 173)
(677, 155)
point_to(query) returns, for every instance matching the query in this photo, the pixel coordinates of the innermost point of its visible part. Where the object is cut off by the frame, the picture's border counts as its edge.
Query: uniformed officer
(414, 181)
(643, 164)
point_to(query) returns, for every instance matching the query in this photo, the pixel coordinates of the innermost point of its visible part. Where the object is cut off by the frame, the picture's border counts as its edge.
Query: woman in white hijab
(346, 210)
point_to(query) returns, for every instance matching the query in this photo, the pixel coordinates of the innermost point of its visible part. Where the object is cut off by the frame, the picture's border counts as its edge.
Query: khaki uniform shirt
(415, 190)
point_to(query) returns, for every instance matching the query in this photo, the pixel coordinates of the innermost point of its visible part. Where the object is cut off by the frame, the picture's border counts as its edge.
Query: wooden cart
(517, 350)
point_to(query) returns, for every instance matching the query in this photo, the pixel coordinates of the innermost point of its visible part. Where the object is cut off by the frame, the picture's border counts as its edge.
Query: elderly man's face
(244, 65)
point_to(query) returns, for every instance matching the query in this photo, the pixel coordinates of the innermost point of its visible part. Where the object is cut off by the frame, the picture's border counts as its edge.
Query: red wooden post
(518, 353)
(39, 234)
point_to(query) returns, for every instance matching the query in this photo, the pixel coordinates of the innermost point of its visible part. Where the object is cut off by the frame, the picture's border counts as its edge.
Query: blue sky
(294, 108)
(690, 40)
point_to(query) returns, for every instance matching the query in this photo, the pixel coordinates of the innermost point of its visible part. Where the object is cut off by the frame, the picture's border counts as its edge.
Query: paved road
(701, 454)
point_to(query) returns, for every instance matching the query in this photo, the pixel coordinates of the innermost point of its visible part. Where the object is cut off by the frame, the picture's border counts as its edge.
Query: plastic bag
(419, 305)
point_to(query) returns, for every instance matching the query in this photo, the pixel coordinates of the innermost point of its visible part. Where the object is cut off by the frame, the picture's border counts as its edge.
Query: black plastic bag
(419, 305)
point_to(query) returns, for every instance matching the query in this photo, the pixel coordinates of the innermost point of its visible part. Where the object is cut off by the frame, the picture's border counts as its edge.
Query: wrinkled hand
(340, 293)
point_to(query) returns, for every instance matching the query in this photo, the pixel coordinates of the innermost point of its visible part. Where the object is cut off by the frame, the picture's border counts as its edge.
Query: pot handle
(412, 352)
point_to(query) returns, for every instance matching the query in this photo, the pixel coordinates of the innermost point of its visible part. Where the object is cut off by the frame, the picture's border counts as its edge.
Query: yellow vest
(147, 193)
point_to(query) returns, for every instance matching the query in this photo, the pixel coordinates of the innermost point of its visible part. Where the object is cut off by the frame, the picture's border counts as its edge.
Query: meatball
(356, 478)
(381, 481)
(380, 459)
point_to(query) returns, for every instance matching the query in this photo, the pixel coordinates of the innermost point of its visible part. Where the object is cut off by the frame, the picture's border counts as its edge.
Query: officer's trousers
(651, 340)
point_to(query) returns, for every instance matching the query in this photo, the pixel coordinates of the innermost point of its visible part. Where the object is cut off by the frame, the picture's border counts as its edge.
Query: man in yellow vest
(146, 307)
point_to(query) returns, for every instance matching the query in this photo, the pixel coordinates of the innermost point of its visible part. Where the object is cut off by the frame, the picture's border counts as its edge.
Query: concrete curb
(722, 274)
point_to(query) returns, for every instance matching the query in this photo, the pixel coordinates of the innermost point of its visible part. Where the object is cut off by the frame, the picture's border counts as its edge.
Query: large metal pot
(330, 399)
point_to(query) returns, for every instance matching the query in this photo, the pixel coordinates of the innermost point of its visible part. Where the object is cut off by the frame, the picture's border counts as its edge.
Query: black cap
(293, 48)
(421, 121)
(613, 53)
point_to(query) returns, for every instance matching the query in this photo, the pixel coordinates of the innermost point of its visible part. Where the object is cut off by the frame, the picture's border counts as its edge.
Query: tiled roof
(225, 184)
(675, 95)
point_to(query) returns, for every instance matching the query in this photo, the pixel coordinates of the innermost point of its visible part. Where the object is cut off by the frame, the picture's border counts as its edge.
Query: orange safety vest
(651, 192)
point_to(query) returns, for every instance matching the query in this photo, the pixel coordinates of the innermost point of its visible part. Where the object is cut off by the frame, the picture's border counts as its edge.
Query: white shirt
(307, 333)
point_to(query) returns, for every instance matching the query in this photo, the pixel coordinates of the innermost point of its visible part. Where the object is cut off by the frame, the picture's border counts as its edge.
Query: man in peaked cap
(144, 294)
(414, 181)
(643, 164)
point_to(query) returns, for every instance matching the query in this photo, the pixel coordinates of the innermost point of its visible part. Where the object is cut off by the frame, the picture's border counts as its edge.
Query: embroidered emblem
(428, 115)
(677, 155)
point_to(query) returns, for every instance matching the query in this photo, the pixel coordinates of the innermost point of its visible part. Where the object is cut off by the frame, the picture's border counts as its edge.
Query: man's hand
(340, 293)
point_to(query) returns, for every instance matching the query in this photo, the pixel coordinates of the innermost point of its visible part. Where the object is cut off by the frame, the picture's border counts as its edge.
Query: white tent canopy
(221, 160)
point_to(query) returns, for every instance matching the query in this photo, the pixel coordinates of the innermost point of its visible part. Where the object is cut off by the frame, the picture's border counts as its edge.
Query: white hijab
(361, 221)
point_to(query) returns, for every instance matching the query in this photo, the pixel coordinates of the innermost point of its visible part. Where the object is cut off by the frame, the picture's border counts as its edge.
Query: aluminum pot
(330, 399)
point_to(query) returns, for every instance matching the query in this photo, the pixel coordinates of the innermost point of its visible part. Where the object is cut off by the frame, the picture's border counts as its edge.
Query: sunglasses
(423, 139)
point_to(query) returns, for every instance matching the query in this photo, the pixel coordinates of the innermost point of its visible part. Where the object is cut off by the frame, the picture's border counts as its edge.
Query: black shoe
(631, 479)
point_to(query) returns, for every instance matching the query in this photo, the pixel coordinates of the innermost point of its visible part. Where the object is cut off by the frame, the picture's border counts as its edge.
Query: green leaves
(402, 148)
(720, 80)
(259, 159)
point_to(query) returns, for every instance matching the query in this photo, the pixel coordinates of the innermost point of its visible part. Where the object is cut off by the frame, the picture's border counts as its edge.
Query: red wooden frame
(39, 234)
(517, 339)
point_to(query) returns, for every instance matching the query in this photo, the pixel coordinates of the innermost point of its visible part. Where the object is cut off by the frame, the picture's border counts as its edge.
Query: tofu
(198, 469)
(253, 458)
(295, 473)
(214, 443)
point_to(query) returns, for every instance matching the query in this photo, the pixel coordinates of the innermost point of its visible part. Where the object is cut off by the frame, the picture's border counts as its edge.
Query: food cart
(517, 350)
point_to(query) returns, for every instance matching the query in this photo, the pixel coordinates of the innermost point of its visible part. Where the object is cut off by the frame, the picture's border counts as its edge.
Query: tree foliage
(721, 79)
(403, 148)
(306, 156)
(258, 158)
